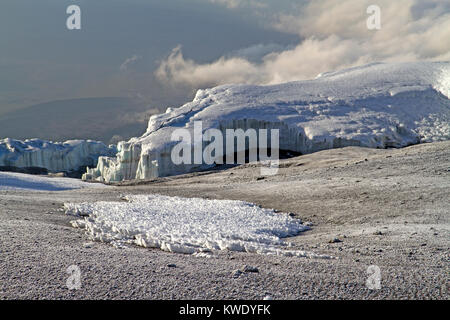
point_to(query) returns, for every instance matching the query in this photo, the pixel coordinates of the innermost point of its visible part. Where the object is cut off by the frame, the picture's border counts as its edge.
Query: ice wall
(378, 105)
(53, 156)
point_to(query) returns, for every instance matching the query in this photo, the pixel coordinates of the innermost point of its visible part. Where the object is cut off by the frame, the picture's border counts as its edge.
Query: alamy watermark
(373, 22)
(73, 282)
(373, 282)
(209, 147)
(73, 22)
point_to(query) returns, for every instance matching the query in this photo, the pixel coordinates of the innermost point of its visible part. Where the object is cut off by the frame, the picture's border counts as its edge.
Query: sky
(160, 52)
(118, 48)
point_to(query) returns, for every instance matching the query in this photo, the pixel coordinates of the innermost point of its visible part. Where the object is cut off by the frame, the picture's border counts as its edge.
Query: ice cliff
(378, 105)
(54, 156)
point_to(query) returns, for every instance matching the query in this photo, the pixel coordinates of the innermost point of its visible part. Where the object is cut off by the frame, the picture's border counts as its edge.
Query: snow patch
(189, 225)
(20, 181)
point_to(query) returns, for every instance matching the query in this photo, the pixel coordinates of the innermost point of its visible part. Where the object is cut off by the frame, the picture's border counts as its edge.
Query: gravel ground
(387, 208)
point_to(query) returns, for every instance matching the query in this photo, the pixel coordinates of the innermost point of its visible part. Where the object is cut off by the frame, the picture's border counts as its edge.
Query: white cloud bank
(334, 36)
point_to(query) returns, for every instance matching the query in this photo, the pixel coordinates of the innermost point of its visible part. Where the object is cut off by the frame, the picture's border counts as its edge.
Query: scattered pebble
(250, 269)
(88, 245)
(237, 273)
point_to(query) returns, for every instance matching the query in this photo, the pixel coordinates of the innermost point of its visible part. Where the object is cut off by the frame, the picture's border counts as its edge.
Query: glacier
(66, 156)
(379, 105)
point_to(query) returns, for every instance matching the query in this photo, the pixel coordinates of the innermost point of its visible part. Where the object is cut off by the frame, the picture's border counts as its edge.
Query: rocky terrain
(366, 207)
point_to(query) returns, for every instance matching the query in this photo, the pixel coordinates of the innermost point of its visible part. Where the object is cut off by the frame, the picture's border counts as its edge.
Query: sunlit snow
(189, 225)
(378, 105)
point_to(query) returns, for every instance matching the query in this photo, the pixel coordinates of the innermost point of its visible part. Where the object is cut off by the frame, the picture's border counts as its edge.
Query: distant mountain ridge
(85, 118)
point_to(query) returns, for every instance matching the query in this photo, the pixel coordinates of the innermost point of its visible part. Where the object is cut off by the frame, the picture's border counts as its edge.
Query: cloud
(129, 61)
(176, 70)
(257, 52)
(334, 36)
